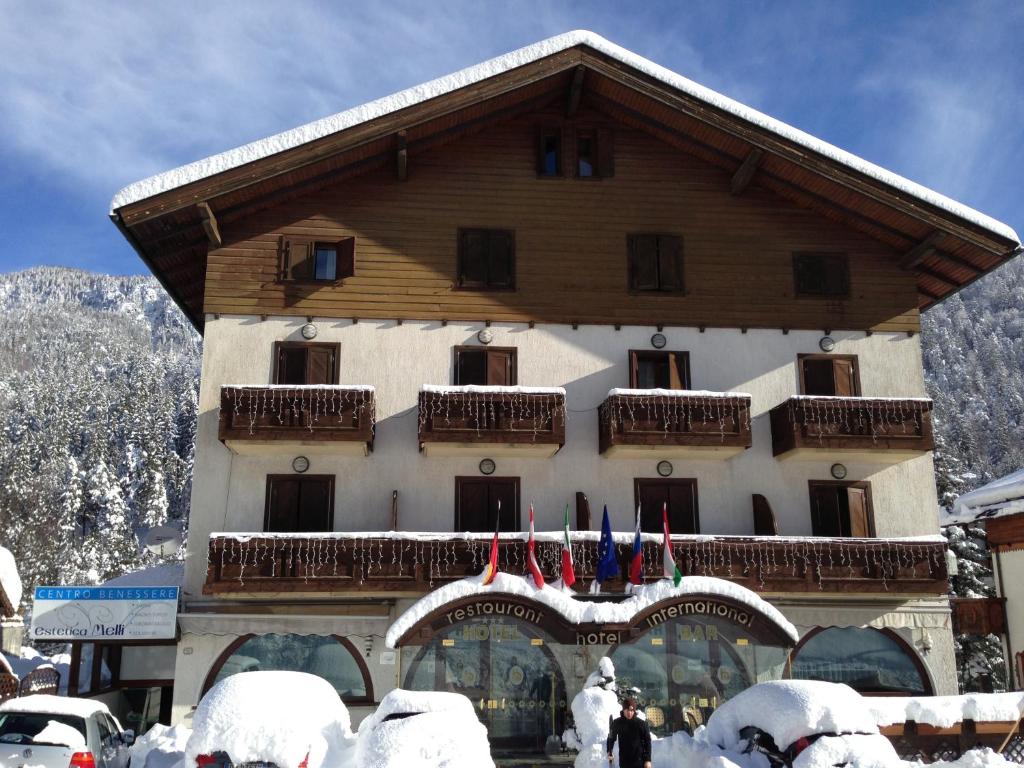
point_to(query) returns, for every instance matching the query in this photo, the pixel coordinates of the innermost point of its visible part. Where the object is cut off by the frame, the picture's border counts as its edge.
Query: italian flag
(671, 569)
(531, 557)
(568, 575)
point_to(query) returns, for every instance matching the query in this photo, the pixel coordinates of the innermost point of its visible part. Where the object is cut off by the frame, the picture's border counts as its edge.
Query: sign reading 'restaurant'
(104, 613)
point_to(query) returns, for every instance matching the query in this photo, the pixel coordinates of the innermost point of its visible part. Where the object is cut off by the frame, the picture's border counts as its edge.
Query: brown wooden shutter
(670, 263)
(844, 376)
(345, 266)
(643, 262)
(857, 503)
(298, 264)
(472, 258)
(322, 365)
(605, 153)
(501, 259)
(500, 368)
(634, 370)
(676, 371)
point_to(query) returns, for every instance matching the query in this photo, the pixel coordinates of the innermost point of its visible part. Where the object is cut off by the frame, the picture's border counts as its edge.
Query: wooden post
(394, 510)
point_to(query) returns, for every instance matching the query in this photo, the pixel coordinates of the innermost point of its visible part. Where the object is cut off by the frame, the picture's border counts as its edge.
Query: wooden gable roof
(172, 219)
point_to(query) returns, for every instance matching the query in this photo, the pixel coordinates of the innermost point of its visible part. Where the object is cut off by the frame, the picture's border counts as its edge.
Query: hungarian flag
(491, 569)
(568, 575)
(531, 557)
(636, 564)
(671, 569)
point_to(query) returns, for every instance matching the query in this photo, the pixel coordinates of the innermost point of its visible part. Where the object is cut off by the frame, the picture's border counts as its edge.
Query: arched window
(868, 660)
(328, 656)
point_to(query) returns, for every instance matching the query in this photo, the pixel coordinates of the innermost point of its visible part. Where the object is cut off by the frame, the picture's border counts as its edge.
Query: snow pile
(855, 750)
(276, 717)
(60, 733)
(592, 710)
(31, 659)
(999, 498)
(428, 729)
(577, 611)
(161, 747)
(788, 710)
(946, 711)
(9, 579)
(54, 705)
(975, 758)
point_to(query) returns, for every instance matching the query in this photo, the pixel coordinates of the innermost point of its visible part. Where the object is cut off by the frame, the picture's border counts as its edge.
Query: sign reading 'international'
(104, 613)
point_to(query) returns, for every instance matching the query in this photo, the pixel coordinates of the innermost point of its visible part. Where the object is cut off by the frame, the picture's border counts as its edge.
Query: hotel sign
(104, 613)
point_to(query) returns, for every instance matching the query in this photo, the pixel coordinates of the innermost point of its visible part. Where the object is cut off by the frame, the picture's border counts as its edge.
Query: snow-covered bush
(592, 709)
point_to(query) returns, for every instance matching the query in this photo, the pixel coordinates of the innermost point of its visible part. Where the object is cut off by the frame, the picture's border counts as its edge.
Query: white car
(61, 732)
(800, 724)
(269, 718)
(426, 729)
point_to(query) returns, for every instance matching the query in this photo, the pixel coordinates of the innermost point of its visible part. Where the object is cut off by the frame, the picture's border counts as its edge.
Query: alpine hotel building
(566, 276)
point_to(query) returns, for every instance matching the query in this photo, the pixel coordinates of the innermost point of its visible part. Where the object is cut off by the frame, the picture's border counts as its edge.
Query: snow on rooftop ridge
(493, 389)
(256, 150)
(54, 705)
(9, 579)
(999, 498)
(163, 575)
(673, 393)
(582, 611)
(946, 711)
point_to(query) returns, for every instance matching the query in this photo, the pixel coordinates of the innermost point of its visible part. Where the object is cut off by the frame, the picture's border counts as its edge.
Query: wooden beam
(575, 92)
(923, 270)
(402, 157)
(745, 173)
(927, 293)
(949, 258)
(209, 224)
(921, 251)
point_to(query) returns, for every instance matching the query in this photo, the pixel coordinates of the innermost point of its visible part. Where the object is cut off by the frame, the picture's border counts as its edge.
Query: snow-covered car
(61, 732)
(269, 718)
(426, 729)
(802, 723)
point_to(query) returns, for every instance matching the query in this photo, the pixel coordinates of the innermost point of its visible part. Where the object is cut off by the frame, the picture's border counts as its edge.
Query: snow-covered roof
(54, 705)
(10, 582)
(163, 575)
(317, 129)
(999, 498)
(946, 711)
(576, 611)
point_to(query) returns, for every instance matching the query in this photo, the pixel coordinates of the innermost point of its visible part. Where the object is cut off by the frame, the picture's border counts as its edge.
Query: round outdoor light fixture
(658, 340)
(826, 343)
(487, 466)
(838, 471)
(664, 468)
(485, 336)
(300, 464)
(308, 331)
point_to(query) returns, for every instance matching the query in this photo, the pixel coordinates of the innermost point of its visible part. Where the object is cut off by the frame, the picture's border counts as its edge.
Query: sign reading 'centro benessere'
(104, 613)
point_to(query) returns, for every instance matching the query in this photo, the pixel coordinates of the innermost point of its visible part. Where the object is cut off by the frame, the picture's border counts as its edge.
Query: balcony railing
(979, 615)
(416, 563)
(330, 418)
(886, 430)
(507, 420)
(674, 423)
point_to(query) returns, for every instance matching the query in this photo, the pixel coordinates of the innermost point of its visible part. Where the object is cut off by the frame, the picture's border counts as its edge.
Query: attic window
(549, 152)
(821, 274)
(316, 261)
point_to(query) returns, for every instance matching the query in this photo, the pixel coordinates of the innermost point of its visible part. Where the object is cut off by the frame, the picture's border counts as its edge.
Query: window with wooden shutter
(476, 503)
(659, 369)
(680, 495)
(486, 259)
(299, 504)
(549, 151)
(485, 366)
(655, 262)
(316, 261)
(298, 362)
(821, 274)
(841, 509)
(829, 375)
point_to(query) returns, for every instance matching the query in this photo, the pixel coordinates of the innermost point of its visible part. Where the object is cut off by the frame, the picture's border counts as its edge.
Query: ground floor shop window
(509, 671)
(331, 657)
(868, 660)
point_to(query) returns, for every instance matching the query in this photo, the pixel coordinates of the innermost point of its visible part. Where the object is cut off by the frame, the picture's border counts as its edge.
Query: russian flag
(636, 564)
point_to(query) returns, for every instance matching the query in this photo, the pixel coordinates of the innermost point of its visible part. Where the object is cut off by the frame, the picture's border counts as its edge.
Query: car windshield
(23, 727)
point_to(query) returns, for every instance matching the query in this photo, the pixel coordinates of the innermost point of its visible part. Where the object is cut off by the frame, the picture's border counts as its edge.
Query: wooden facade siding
(1005, 533)
(571, 262)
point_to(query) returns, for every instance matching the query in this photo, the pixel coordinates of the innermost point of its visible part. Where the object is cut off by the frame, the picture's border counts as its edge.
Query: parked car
(800, 724)
(426, 729)
(273, 719)
(60, 732)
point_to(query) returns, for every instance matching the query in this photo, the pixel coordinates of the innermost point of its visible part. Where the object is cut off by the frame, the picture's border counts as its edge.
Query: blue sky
(97, 95)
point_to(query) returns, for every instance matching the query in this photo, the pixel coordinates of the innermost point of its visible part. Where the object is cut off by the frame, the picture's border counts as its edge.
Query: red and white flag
(568, 574)
(531, 557)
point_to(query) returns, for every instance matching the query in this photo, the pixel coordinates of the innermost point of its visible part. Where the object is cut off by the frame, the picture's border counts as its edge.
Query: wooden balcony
(877, 430)
(978, 615)
(415, 564)
(491, 421)
(704, 425)
(258, 420)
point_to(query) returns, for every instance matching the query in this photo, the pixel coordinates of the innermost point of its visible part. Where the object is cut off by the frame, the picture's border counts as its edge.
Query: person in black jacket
(634, 738)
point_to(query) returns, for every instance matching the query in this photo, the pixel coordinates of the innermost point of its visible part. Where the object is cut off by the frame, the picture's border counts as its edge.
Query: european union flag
(607, 564)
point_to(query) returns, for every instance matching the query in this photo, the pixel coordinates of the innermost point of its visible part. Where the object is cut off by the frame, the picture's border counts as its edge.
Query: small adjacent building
(565, 276)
